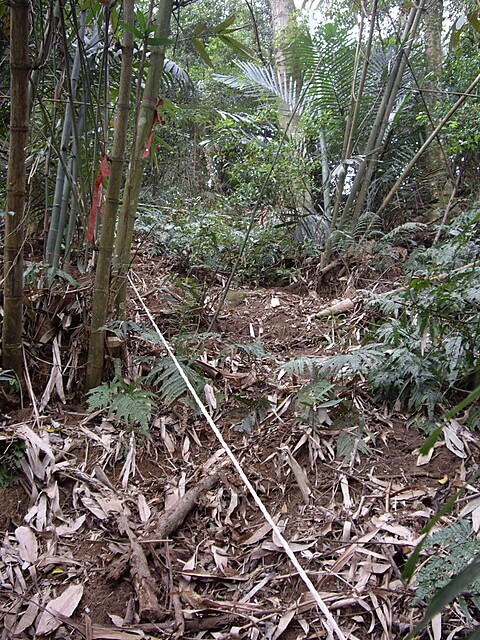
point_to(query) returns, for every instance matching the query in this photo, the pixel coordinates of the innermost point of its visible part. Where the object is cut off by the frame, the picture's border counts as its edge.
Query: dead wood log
(172, 519)
(145, 587)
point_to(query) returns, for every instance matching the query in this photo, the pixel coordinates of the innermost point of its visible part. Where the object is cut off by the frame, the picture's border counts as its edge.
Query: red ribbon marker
(157, 118)
(103, 172)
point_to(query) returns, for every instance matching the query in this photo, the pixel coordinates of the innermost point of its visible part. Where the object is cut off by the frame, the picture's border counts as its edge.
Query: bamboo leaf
(128, 27)
(200, 29)
(473, 20)
(464, 403)
(236, 45)
(202, 52)
(154, 42)
(142, 21)
(224, 25)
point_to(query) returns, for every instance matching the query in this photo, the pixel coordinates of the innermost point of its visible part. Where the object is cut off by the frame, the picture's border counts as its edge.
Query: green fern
(171, 386)
(303, 366)
(253, 350)
(349, 443)
(357, 361)
(452, 550)
(368, 222)
(126, 402)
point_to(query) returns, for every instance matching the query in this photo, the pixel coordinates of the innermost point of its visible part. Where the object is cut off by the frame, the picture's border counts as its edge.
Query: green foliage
(451, 551)
(210, 240)
(127, 402)
(350, 443)
(252, 351)
(8, 378)
(165, 376)
(315, 397)
(431, 338)
(11, 454)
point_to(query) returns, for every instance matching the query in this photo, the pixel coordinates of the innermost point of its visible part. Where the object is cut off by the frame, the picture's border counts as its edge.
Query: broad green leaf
(202, 52)
(158, 41)
(455, 587)
(409, 569)
(464, 403)
(130, 29)
(236, 45)
(142, 21)
(200, 28)
(473, 20)
(430, 441)
(224, 25)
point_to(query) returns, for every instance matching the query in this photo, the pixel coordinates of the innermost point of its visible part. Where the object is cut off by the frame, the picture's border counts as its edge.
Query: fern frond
(302, 367)
(367, 221)
(171, 385)
(357, 361)
(402, 230)
(127, 403)
(253, 350)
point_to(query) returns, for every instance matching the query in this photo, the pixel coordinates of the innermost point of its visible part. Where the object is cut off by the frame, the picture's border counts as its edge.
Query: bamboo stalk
(96, 347)
(16, 181)
(133, 183)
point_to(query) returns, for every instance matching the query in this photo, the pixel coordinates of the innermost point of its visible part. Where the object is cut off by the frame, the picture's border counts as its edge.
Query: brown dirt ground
(222, 574)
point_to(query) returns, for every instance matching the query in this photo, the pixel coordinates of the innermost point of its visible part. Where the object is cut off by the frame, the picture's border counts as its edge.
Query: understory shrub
(451, 551)
(211, 240)
(430, 334)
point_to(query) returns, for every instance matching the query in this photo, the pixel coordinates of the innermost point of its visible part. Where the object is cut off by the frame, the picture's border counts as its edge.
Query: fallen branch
(145, 587)
(172, 519)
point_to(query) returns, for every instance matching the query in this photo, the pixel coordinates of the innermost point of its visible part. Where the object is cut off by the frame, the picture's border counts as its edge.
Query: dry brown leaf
(64, 605)
(109, 633)
(210, 397)
(144, 510)
(26, 619)
(128, 468)
(259, 534)
(453, 441)
(284, 623)
(300, 476)
(27, 544)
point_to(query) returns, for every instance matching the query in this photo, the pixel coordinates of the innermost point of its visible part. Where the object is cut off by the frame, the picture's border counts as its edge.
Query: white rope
(330, 623)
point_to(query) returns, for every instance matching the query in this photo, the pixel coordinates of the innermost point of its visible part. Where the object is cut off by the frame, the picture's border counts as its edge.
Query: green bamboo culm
(96, 347)
(133, 183)
(16, 180)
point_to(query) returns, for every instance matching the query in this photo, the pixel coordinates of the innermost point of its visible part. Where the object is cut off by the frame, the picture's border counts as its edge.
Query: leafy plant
(451, 551)
(165, 376)
(11, 454)
(430, 341)
(210, 240)
(127, 402)
(313, 398)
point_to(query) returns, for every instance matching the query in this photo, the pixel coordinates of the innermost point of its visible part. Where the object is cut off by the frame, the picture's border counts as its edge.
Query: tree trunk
(16, 180)
(96, 348)
(283, 12)
(133, 183)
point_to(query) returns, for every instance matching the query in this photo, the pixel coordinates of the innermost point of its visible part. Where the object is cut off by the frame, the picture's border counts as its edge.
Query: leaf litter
(122, 536)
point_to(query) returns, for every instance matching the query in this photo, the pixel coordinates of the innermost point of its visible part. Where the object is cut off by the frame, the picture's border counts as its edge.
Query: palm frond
(173, 74)
(255, 77)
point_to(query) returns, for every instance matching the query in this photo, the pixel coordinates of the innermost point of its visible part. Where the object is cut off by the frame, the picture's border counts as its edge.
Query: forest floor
(108, 533)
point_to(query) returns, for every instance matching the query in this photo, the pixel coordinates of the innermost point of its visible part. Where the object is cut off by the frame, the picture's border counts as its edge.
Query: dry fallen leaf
(27, 544)
(64, 606)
